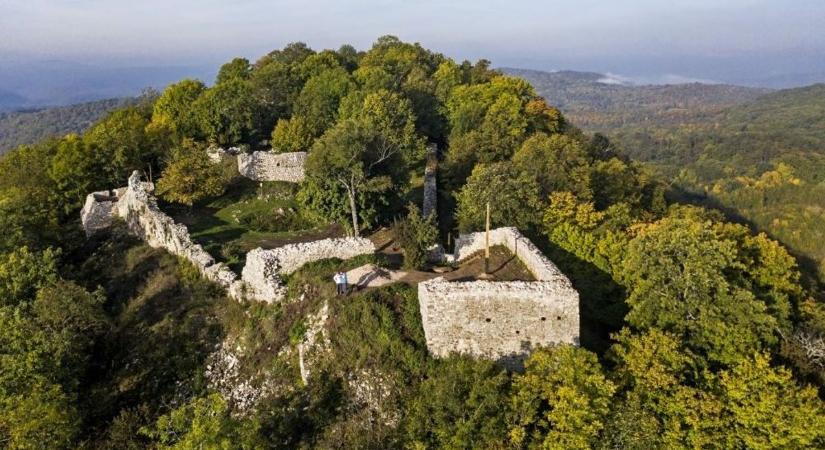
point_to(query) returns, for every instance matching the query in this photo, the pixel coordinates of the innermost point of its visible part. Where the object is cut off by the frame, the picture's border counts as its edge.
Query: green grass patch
(249, 215)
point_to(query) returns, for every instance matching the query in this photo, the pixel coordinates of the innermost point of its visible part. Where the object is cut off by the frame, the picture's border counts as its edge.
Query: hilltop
(166, 276)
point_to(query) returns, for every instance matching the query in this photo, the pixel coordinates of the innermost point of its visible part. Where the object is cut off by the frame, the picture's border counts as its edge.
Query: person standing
(338, 279)
(344, 283)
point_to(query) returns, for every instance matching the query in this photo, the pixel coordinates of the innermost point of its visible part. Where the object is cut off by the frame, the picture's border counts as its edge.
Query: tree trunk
(354, 211)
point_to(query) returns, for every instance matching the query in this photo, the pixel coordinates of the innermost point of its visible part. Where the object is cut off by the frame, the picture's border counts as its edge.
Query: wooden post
(487, 243)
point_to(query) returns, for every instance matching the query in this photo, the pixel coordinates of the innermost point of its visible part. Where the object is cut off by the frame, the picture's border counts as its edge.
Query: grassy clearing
(247, 216)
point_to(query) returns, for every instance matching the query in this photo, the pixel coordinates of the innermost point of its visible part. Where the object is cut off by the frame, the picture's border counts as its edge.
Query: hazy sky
(708, 39)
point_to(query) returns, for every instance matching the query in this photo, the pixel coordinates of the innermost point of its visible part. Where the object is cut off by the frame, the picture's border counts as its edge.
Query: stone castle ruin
(271, 166)
(502, 321)
(263, 165)
(261, 280)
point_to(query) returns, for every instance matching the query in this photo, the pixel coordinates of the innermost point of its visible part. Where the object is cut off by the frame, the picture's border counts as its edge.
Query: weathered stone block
(271, 166)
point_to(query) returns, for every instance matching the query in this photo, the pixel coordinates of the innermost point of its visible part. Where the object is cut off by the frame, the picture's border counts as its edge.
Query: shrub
(415, 234)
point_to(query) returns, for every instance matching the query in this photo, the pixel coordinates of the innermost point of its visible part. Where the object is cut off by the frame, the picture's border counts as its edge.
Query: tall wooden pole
(487, 243)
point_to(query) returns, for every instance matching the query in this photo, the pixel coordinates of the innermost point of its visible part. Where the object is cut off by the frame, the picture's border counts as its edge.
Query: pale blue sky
(715, 40)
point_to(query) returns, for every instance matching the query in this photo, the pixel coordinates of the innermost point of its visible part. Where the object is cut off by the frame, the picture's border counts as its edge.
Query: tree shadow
(602, 306)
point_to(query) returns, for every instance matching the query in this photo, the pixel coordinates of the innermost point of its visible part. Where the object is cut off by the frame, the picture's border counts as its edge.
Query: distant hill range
(30, 126)
(757, 154)
(599, 102)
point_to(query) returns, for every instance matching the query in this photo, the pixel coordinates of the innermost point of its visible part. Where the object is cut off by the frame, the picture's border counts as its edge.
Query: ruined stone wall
(271, 166)
(138, 208)
(430, 183)
(218, 154)
(535, 261)
(97, 212)
(261, 276)
(502, 321)
(262, 273)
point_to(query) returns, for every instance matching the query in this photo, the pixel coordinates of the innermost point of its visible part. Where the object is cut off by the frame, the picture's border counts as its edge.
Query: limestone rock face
(315, 341)
(271, 166)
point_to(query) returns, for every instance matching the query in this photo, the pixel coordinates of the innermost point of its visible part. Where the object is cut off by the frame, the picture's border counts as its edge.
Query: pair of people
(341, 283)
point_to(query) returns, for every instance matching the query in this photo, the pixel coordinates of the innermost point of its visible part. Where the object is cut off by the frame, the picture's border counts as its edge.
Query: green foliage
(459, 406)
(24, 272)
(684, 277)
(237, 69)
(121, 143)
(29, 213)
(359, 161)
(191, 177)
(557, 163)
(667, 402)
(415, 234)
(561, 400)
(122, 340)
(292, 135)
(226, 113)
(174, 108)
(203, 423)
(513, 197)
(30, 127)
(319, 99)
(42, 417)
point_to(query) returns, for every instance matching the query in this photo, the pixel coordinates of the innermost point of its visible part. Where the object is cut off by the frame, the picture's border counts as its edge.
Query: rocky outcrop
(315, 341)
(271, 166)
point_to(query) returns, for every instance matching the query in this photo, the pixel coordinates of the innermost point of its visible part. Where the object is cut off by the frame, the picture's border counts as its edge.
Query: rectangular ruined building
(502, 321)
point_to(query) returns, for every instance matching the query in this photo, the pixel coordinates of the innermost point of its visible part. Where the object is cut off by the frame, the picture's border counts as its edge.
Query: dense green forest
(755, 154)
(696, 332)
(28, 127)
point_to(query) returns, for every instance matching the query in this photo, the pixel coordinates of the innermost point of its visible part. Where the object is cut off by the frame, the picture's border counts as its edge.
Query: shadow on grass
(164, 324)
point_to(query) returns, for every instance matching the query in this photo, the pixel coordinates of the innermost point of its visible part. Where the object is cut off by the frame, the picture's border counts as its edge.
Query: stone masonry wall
(263, 269)
(538, 264)
(138, 208)
(500, 320)
(430, 184)
(271, 166)
(97, 212)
